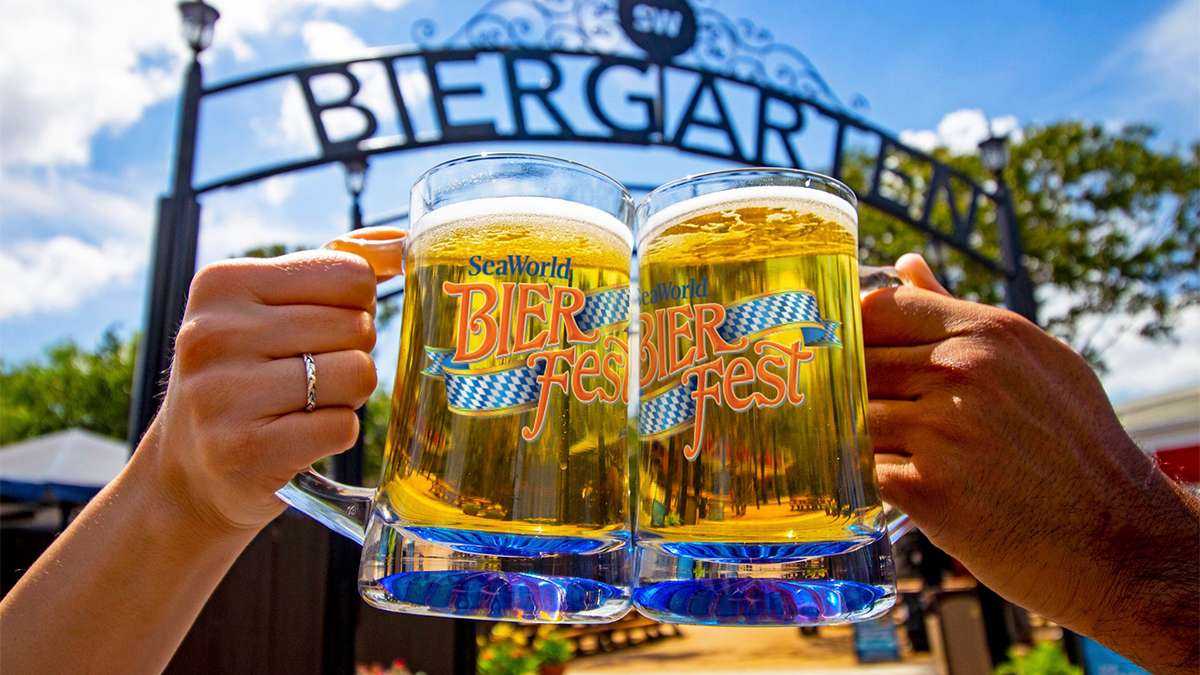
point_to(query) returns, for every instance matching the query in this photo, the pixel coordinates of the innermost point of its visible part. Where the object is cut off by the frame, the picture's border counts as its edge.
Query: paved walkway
(762, 651)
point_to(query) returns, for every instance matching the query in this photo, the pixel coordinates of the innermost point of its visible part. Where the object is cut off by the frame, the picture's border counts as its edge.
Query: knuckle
(202, 338)
(363, 374)
(347, 429)
(215, 278)
(207, 394)
(193, 343)
(353, 270)
(970, 360)
(1005, 326)
(952, 428)
(364, 330)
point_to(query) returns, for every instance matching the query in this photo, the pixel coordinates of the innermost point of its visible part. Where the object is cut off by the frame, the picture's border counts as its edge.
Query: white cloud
(70, 204)
(102, 237)
(921, 139)
(62, 272)
(1139, 367)
(277, 189)
(83, 238)
(75, 68)
(961, 131)
(231, 232)
(1167, 50)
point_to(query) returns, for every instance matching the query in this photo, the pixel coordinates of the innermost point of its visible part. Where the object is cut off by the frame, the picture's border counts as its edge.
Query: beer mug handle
(342, 508)
(345, 508)
(899, 524)
(872, 278)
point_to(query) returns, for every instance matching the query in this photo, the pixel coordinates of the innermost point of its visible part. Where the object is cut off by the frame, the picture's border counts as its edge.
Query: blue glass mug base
(495, 576)
(720, 584)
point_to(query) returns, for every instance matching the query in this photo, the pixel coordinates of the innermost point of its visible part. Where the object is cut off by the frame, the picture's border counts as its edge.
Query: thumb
(915, 271)
(382, 247)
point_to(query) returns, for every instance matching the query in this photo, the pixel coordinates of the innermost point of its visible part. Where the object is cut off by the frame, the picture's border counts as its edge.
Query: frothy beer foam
(479, 214)
(783, 197)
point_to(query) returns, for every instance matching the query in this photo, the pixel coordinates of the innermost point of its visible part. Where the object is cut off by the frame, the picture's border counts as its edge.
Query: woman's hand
(1001, 444)
(232, 429)
(117, 591)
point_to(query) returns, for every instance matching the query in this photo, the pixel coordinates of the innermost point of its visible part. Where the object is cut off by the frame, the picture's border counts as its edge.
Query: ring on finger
(310, 382)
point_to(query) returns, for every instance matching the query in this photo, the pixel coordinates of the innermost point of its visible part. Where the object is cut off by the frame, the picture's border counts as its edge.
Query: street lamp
(198, 21)
(993, 152)
(356, 182)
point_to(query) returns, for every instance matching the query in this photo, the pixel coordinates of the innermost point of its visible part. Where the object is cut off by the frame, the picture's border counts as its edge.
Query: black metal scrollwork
(737, 48)
(576, 25)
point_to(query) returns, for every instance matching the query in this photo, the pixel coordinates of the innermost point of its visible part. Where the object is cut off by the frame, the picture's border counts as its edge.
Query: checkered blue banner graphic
(439, 358)
(777, 310)
(496, 392)
(668, 412)
(602, 308)
(675, 409)
(493, 392)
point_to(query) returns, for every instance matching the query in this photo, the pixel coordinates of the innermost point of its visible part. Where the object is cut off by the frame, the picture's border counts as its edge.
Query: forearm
(120, 588)
(1152, 610)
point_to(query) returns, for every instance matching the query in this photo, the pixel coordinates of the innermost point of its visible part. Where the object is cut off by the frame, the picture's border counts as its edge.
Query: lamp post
(341, 590)
(348, 466)
(356, 182)
(176, 233)
(1018, 289)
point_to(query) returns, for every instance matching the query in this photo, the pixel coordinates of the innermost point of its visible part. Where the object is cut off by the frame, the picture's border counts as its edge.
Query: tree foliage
(69, 387)
(1110, 228)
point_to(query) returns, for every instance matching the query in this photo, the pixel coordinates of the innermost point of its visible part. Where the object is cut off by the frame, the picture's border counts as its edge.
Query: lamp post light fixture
(993, 152)
(356, 182)
(356, 175)
(198, 21)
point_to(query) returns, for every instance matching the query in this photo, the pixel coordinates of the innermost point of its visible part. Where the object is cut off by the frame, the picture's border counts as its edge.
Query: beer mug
(757, 500)
(504, 493)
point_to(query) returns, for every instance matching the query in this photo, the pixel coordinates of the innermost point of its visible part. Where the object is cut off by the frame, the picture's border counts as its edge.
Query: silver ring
(310, 381)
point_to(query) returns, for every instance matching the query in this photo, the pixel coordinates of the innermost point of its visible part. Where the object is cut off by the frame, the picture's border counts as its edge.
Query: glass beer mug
(757, 500)
(504, 492)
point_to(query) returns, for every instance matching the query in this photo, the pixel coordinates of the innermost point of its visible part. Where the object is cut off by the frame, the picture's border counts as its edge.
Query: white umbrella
(69, 465)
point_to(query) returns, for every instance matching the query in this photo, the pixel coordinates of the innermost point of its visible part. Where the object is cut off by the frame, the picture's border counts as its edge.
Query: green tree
(379, 409)
(1110, 228)
(1044, 658)
(69, 387)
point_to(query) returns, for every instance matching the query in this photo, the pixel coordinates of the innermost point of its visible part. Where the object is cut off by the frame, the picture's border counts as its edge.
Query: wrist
(170, 497)
(1146, 608)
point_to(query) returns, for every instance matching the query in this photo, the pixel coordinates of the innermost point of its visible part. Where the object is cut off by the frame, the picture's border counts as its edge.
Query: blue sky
(87, 116)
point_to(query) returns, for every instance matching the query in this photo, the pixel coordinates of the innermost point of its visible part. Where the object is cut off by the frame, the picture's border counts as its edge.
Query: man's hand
(1000, 443)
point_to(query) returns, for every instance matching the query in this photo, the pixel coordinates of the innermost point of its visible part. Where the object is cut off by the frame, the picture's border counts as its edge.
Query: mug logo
(544, 326)
(711, 371)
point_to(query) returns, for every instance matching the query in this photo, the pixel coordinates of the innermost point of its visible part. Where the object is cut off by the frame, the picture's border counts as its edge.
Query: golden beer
(505, 492)
(474, 470)
(756, 469)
